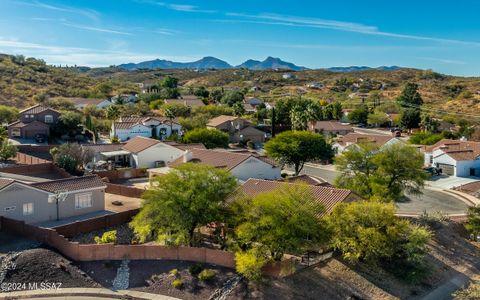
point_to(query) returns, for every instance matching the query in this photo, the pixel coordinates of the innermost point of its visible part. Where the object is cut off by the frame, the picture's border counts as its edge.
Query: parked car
(397, 133)
(433, 171)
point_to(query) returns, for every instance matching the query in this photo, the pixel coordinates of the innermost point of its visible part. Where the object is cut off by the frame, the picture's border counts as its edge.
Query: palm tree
(112, 112)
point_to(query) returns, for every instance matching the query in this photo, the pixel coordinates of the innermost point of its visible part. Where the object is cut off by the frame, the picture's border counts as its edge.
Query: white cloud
(80, 56)
(97, 29)
(89, 13)
(177, 7)
(295, 21)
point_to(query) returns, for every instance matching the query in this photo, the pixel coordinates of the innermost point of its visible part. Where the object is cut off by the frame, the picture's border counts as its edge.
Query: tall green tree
(180, 202)
(359, 115)
(410, 118)
(231, 97)
(7, 150)
(298, 147)
(283, 220)
(8, 114)
(169, 82)
(410, 97)
(211, 138)
(369, 232)
(112, 112)
(385, 173)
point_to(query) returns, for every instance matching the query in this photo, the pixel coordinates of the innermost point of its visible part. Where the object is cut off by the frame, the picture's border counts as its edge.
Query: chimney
(187, 156)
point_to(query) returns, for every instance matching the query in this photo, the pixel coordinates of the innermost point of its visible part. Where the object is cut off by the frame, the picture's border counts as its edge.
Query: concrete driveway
(447, 182)
(431, 200)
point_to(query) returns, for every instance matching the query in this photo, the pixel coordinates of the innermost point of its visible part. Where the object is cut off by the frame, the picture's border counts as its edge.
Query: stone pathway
(122, 280)
(227, 288)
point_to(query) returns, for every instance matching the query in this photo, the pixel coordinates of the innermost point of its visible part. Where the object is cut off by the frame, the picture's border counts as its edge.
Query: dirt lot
(154, 277)
(42, 265)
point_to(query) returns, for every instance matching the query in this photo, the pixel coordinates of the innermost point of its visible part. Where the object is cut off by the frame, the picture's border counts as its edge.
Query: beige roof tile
(329, 197)
(139, 143)
(220, 120)
(70, 184)
(355, 138)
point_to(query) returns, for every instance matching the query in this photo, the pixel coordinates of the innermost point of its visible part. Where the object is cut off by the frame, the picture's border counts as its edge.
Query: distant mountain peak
(270, 63)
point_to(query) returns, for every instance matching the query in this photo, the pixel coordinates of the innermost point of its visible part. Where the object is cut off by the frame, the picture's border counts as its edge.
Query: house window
(10, 208)
(83, 200)
(32, 116)
(431, 159)
(48, 119)
(27, 209)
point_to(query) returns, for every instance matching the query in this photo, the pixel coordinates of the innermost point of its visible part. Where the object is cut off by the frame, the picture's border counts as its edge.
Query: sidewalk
(91, 293)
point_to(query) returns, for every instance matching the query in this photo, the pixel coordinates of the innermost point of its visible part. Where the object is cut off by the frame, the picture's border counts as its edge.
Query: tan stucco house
(36, 202)
(239, 130)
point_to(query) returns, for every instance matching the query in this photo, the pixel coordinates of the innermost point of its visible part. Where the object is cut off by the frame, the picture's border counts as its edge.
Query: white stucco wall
(137, 130)
(168, 129)
(159, 152)
(255, 168)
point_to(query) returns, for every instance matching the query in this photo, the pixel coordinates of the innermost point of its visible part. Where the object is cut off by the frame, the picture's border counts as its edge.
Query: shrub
(195, 269)
(211, 138)
(174, 272)
(250, 264)
(470, 293)
(107, 237)
(177, 283)
(207, 275)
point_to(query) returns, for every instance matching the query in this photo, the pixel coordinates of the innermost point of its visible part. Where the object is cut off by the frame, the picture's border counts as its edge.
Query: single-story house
(81, 103)
(126, 128)
(151, 153)
(329, 197)
(350, 139)
(242, 165)
(189, 101)
(37, 202)
(238, 129)
(330, 128)
(454, 157)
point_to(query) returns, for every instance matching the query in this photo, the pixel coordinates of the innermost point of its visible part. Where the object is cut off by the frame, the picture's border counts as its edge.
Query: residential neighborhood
(327, 151)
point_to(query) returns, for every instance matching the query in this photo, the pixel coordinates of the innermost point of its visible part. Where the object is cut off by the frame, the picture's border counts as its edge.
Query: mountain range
(209, 62)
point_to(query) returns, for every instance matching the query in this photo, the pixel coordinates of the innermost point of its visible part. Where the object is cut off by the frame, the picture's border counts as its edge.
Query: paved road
(430, 200)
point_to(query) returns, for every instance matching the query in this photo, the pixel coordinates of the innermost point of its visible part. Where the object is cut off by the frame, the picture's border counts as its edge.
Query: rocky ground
(155, 277)
(43, 265)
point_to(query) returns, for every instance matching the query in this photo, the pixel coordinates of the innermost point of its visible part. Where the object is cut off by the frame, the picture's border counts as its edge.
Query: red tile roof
(329, 197)
(218, 158)
(70, 184)
(35, 109)
(330, 126)
(221, 120)
(458, 150)
(355, 138)
(139, 143)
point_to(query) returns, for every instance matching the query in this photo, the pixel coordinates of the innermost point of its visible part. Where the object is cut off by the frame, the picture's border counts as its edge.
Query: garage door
(447, 169)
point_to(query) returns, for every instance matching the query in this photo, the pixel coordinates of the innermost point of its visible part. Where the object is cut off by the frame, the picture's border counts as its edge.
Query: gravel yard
(154, 277)
(43, 265)
(124, 235)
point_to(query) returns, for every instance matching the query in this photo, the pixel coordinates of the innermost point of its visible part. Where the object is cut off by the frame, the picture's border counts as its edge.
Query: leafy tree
(71, 156)
(378, 118)
(410, 118)
(7, 150)
(381, 173)
(422, 138)
(211, 138)
(3, 134)
(369, 232)
(191, 196)
(8, 114)
(429, 124)
(176, 110)
(238, 109)
(410, 97)
(212, 111)
(156, 104)
(359, 115)
(70, 123)
(169, 82)
(216, 94)
(250, 263)
(232, 97)
(298, 147)
(473, 222)
(303, 112)
(280, 221)
(336, 108)
(201, 92)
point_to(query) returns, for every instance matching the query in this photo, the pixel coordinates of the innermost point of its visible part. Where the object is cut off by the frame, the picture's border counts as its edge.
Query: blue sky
(439, 35)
